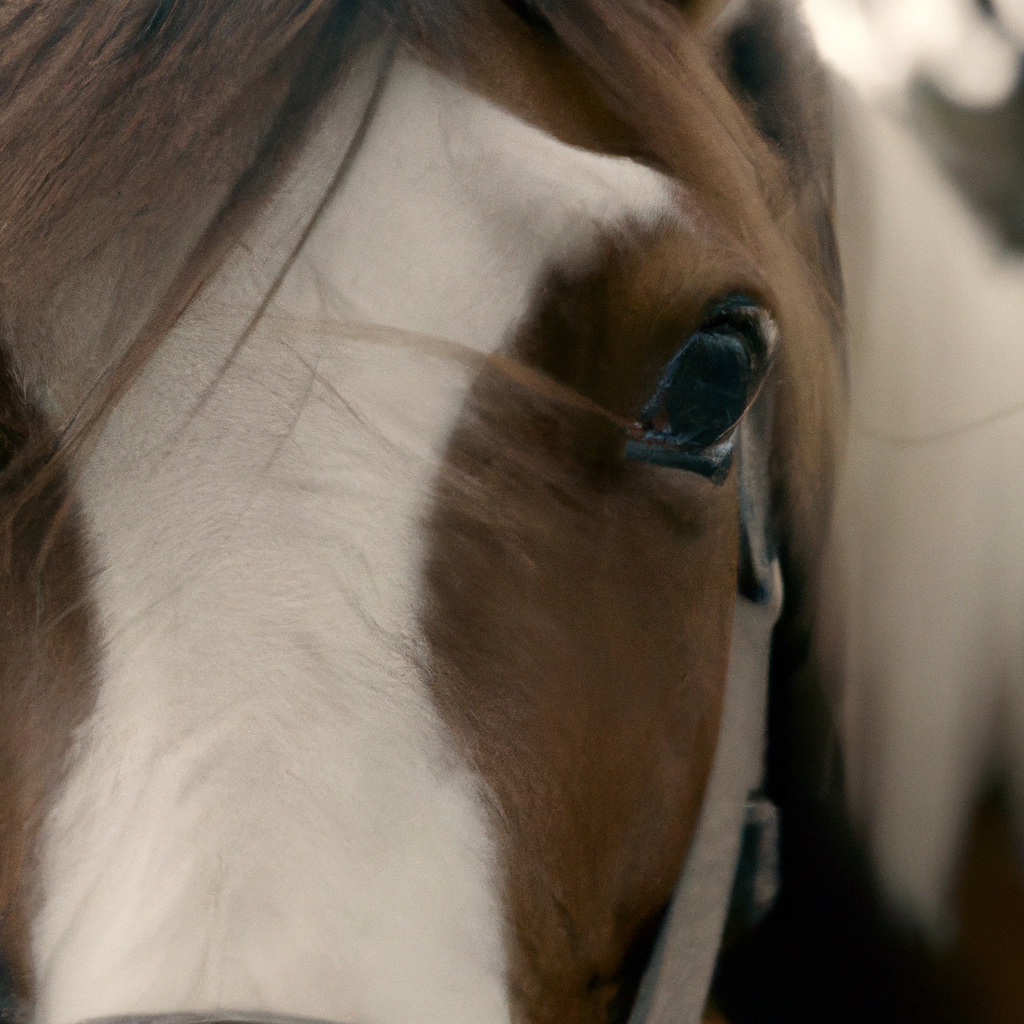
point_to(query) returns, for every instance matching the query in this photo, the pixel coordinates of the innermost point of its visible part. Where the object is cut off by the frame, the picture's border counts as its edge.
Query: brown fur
(579, 606)
(660, 75)
(643, 79)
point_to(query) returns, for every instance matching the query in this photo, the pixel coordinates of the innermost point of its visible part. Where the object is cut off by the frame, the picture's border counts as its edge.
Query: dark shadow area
(825, 953)
(988, 955)
(8, 1002)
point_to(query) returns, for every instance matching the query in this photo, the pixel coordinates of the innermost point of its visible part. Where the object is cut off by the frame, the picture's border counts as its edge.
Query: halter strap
(676, 983)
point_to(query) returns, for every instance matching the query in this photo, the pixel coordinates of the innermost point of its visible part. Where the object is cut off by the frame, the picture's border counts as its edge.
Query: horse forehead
(454, 207)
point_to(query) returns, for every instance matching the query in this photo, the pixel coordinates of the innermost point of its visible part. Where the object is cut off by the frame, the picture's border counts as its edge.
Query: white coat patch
(265, 812)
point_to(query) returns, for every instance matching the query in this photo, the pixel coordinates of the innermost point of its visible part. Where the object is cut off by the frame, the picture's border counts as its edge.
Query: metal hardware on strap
(757, 871)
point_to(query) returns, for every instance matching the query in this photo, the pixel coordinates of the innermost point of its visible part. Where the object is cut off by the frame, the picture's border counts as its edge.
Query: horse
(410, 413)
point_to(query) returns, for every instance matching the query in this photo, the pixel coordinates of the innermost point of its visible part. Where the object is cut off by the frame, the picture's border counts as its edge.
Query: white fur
(265, 811)
(926, 576)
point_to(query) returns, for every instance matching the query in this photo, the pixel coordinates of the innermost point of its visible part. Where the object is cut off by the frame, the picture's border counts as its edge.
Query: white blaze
(265, 812)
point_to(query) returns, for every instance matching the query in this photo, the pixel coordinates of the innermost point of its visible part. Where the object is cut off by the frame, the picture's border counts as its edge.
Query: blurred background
(921, 608)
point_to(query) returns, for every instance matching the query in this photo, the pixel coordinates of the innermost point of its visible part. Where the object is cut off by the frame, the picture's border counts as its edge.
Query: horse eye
(705, 389)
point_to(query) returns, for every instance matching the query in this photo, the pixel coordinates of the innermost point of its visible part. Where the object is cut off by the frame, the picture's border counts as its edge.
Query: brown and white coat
(349, 668)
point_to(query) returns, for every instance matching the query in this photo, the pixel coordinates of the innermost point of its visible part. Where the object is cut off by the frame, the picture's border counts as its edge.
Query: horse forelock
(534, 572)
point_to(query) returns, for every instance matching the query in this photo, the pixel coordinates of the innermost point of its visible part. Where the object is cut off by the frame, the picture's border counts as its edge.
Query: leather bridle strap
(676, 983)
